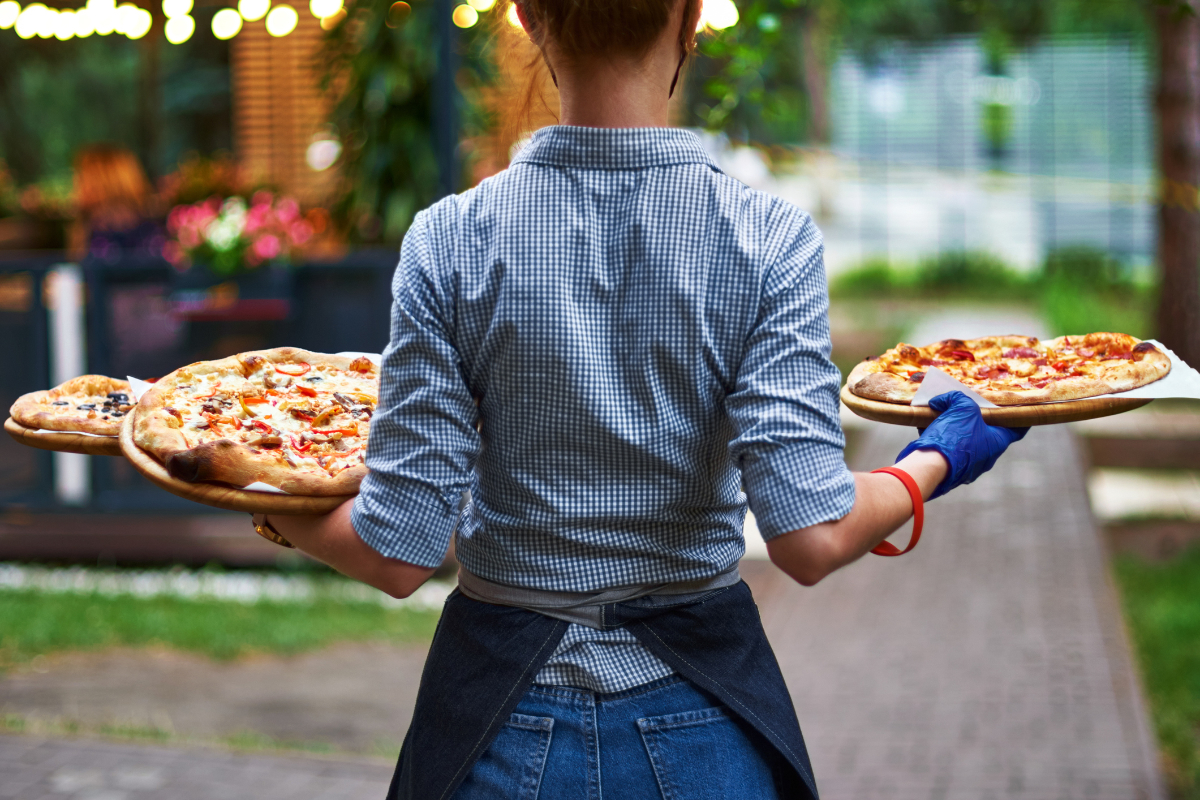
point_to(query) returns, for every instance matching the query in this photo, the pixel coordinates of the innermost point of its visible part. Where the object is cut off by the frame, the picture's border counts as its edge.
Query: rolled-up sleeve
(788, 438)
(423, 441)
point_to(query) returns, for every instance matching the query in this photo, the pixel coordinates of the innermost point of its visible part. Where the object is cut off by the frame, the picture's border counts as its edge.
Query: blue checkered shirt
(598, 357)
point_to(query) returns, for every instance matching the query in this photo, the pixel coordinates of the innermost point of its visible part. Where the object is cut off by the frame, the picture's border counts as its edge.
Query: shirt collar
(613, 148)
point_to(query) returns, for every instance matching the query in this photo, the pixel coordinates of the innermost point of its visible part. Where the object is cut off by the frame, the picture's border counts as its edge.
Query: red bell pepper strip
(343, 431)
(302, 366)
(298, 447)
(259, 425)
(307, 392)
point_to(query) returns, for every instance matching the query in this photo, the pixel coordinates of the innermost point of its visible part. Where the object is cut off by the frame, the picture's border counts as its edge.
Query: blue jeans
(665, 739)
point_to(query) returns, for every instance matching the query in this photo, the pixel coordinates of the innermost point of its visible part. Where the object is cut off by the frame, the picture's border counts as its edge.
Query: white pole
(68, 357)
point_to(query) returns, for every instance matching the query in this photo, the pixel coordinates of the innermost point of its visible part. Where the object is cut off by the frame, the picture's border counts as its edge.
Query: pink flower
(267, 247)
(287, 210)
(262, 198)
(300, 232)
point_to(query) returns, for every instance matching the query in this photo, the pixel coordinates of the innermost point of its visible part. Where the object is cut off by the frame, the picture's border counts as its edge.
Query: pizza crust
(873, 379)
(35, 410)
(158, 429)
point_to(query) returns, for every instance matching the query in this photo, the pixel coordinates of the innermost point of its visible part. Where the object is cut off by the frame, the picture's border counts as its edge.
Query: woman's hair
(525, 97)
(590, 28)
(107, 175)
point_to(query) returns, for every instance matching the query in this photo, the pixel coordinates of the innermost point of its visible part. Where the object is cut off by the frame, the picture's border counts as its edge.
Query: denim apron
(485, 656)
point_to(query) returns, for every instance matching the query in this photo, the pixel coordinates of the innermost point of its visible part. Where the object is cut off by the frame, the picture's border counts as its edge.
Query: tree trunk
(815, 41)
(1177, 103)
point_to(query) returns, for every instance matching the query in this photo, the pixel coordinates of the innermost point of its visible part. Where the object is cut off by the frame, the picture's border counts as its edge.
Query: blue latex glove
(969, 444)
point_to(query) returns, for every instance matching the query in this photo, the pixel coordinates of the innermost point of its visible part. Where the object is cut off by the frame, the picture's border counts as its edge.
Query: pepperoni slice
(1021, 352)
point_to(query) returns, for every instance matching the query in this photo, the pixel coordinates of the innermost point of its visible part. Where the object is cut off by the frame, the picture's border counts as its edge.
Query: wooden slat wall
(278, 106)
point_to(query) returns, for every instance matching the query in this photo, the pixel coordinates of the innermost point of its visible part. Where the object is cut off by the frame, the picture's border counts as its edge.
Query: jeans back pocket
(512, 766)
(705, 755)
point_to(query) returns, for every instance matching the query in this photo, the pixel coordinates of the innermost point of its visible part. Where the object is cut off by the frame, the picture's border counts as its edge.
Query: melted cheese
(267, 405)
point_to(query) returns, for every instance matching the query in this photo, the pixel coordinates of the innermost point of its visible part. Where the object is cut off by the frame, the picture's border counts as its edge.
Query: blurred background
(192, 178)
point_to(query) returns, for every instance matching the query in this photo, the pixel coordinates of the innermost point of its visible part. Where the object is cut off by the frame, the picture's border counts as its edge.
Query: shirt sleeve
(423, 440)
(788, 437)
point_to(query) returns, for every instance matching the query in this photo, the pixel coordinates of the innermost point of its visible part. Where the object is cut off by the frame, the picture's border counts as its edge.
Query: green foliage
(1079, 289)
(34, 623)
(1162, 609)
(385, 115)
(749, 78)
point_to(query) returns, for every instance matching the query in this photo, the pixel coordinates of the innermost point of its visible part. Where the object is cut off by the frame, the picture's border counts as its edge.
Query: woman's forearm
(331, 538)
(881, 505)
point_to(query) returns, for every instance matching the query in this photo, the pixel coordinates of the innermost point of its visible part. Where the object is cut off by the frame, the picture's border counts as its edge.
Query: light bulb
(464, 16)
(324, 8)
(64, 25)
(47, 23)
(179, 29)
(512, 17)
(9, 11)
(282, 20)
(481, 5)
(176, 8)
(27, 21)
(84, 26)
(252, 10)
(139, 24)
(104, 15)
(226, 23)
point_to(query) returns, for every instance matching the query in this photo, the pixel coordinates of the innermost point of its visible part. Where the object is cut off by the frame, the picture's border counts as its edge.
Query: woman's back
(623, 312)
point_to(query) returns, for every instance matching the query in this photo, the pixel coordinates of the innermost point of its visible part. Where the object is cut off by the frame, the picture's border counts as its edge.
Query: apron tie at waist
(590, 608)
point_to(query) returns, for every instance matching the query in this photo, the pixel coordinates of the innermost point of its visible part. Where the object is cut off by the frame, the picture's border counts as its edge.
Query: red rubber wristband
(914, 491)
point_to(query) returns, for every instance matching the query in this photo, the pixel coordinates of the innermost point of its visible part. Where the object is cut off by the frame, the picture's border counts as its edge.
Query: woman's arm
(881, 506)
(956, 448)
(331, 539)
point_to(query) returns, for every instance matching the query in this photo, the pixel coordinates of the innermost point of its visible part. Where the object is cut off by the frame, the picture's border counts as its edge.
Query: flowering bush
(230, 236)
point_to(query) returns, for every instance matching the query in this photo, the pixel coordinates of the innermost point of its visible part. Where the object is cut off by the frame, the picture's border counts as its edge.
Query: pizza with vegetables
(88, 404)
(289, 418)
(1016, 370)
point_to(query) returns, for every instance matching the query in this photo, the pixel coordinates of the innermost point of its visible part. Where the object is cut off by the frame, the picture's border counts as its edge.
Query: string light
(9, 11)
(176, 8)
(324, 8)
(46, 22)
(64, 25)
(179, 29)
(481, 5)
(331, 22)
(27, 21)
(226, 23)
(104, 15)
(252, 10)
(138, 23)
(718, 15)
(464, 16)
(512, 17)
(282, 20)
(84, 26)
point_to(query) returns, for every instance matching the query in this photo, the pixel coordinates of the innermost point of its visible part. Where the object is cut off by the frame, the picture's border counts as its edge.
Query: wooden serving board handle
(62, 441)
(1005, 416)
(227, 497)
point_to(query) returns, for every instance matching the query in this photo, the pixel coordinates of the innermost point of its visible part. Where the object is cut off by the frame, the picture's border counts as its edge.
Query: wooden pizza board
(218, 496)
(63, 441)
(1005, 416)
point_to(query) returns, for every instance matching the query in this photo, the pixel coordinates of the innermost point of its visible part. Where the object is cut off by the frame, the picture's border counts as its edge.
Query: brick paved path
(39, 769)
(990, 662)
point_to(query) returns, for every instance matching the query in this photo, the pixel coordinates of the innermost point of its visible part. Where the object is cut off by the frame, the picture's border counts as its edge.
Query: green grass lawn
(34, 622)
(1162, 607)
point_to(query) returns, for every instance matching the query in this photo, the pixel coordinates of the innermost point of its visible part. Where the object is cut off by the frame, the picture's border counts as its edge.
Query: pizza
(1016, 370)
(290, 418)
(88, 404)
